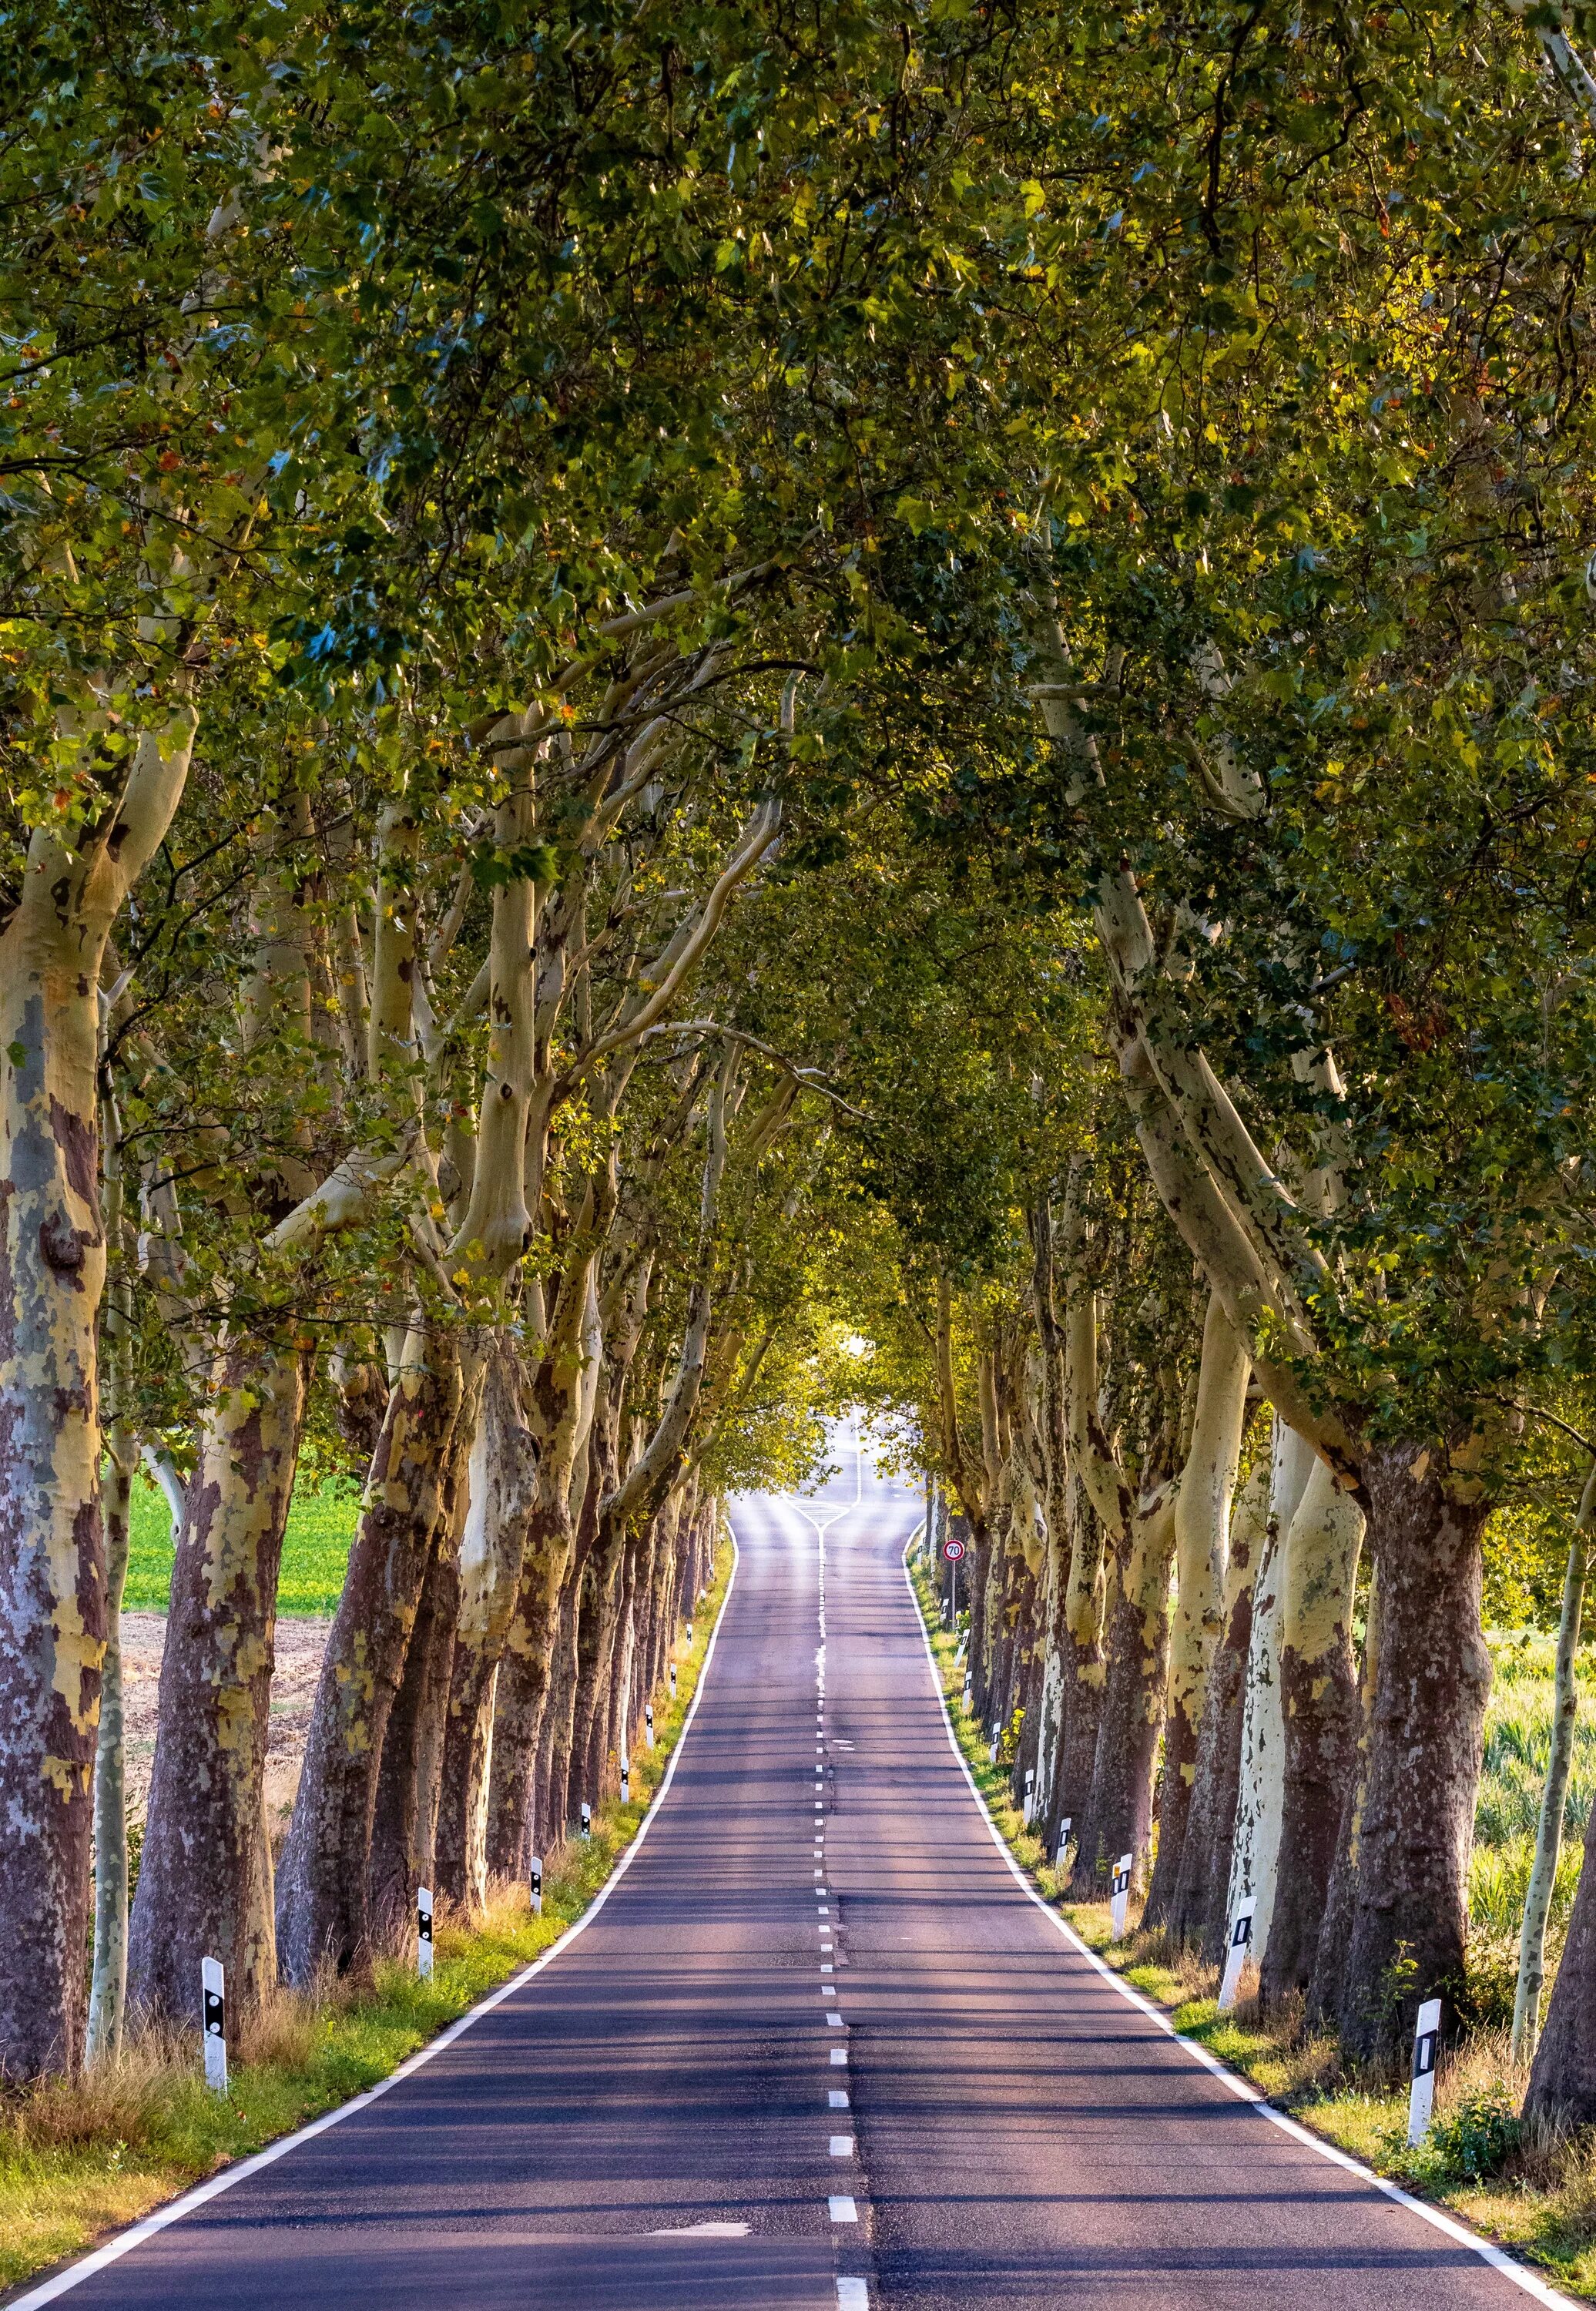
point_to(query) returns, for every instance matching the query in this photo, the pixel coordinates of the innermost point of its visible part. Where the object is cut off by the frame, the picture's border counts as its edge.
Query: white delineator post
(587, 1818)
(997, 1743)
(673, 1680)
(649, 1721)
(1065, 1826)
(423, 1932)
(690, 1633)
(626, 1780)
(1426, 2049)
(1235, 1952)
(213, 2009)
(1030, 1794)
(1120, 1893)
(537, 1885)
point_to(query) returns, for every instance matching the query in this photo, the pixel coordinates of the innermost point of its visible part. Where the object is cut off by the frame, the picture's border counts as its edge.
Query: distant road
(667, 2117)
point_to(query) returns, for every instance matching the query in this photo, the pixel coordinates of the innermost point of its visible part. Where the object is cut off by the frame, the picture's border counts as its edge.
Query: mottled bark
(1335, 1934)
(321, 1898)
(1256, 1848)
(595, 1619)
(403, 1813)
(1410, 1868)
(1202, 1519)
(52, 1274)
(1082, 1666)
(1318, 1705)
(1197, 1913)
(553, 1806)
(977, 1567)
(493, 1546)
(521, 1694)
(1118, 1815)
(205, 1886)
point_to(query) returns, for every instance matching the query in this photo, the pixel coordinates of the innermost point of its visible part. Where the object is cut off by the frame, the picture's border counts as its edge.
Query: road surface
(818, 2050)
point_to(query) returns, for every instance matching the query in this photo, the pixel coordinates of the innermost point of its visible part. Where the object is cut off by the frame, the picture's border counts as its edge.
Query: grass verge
(321, 1522)
(78, 2160)
(1533, 2191)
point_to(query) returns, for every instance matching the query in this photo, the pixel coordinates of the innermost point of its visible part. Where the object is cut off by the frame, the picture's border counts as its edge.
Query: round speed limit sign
(952, 1551)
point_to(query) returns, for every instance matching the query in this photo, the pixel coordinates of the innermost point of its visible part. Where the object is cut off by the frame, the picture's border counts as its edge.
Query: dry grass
(112, 2102)
(1532, 2188)
(79, 2158)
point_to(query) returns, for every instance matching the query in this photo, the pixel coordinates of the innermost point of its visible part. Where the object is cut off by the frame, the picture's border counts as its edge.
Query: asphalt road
(818, 2050)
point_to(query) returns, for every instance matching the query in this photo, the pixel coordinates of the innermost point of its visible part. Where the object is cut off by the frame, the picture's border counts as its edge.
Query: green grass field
(315, 1549)
(1518, 1735)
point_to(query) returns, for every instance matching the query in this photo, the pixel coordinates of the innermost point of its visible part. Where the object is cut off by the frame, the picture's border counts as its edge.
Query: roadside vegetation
(82, 2158)
(1532, 2189)
(704, 713)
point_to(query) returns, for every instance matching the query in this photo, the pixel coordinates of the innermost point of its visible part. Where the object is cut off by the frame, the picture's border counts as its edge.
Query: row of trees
(674, 677)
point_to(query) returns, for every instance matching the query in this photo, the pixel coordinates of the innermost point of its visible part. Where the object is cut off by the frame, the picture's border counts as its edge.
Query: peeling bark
(1410, 1871)
(1257, 1844)
(1335, 1934)
(322, 1916)
(1118, 1818)
(1319, 1702)
(204, 1886)
(1202, 1521)
(493, 1545)
(521, 1696)
(52, 1274)
(1198, 1913)
(399, 1859)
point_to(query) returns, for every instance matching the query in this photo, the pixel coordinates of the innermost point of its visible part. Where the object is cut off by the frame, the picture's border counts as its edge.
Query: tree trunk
(554, 1797)
(596, 1614)
(1198, 1913)
(492, 1546)
(975, 1565)
(1120, 1816)
(322, 1916)
(1082, 1666)
(1256, 1849)
(399, 1859)
(521, 1699)
(52, 1274)
(1335, 1935)
(1563, 2080)
(1202, 1519)
(1554, 1798)
(1318, 1705)
(1052, 1637)
(204, 1880)
(1410, 1867)
(107, 1987)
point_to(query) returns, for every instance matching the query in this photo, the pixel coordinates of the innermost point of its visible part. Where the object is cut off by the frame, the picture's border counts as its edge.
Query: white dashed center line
(843, 2210)
(842, 2146)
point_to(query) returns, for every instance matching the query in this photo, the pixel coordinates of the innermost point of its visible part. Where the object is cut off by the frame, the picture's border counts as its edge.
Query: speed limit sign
(952, 1549)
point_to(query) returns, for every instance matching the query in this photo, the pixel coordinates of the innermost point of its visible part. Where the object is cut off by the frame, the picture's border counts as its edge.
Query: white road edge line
(174, 2211)
(1242, 2089)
